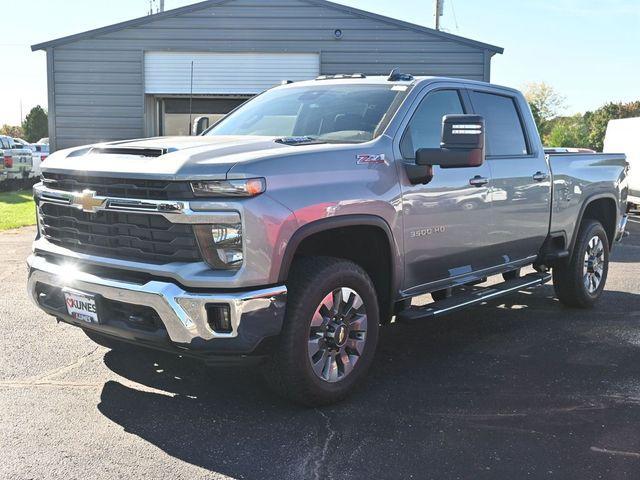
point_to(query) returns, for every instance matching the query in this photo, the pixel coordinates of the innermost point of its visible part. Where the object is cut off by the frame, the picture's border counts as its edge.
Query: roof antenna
(397, 76)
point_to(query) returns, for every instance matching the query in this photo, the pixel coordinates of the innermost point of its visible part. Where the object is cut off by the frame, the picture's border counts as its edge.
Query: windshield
(325, 113)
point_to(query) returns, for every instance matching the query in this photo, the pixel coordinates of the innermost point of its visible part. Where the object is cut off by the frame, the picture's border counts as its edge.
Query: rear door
(21, 162)
(446, 220)
(521, 182)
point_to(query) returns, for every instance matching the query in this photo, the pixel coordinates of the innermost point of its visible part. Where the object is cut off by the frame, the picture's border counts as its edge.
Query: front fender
(341, 221)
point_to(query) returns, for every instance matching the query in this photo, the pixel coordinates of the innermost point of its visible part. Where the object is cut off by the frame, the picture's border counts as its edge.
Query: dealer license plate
(81, 306)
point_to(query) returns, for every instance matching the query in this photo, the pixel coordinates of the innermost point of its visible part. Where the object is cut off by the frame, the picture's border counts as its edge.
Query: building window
(174, 112)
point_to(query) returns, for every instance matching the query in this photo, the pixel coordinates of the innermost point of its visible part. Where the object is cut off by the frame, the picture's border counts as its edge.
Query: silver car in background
(17, 158)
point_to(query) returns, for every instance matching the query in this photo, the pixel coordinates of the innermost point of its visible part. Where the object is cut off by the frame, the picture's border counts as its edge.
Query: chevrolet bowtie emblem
(87, 201)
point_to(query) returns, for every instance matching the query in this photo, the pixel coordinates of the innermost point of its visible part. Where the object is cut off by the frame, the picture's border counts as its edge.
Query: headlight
(221, 244)
(249, 187)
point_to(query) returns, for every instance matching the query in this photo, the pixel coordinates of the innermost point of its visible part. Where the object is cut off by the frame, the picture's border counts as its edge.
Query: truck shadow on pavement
(500, 391)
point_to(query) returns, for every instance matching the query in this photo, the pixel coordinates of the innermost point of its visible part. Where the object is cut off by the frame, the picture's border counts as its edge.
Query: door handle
(478, 181)
(540, 176)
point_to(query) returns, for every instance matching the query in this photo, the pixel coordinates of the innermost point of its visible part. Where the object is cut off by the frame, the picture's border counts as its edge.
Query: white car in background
(18, 159)
(39, 152)
(24, 143)
(623, 136)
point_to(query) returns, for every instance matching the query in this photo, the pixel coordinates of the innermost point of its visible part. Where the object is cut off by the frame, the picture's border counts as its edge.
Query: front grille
(120, 187)
(121, 235)
(110, 273)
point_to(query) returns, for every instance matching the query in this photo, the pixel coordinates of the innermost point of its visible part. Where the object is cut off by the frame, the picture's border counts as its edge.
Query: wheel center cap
(341, 336)
(338, 335)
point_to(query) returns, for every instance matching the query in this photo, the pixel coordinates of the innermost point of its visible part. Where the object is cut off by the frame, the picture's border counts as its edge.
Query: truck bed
(581, 177)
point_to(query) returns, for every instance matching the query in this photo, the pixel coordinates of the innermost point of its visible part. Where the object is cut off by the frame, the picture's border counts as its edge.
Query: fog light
(221, 245)
(219, 318)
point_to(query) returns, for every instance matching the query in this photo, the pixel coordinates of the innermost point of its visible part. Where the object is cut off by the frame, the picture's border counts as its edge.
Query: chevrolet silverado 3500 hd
(312, 214)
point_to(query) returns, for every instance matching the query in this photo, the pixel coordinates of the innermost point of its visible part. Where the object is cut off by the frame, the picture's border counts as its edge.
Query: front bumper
(621, 228)
(256, 315)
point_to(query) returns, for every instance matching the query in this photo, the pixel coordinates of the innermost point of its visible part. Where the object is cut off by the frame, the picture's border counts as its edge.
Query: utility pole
(190, 132)
(153, 5)
(439, 12)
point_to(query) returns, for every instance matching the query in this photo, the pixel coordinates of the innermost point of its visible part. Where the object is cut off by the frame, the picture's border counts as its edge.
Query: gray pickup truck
(291, 230)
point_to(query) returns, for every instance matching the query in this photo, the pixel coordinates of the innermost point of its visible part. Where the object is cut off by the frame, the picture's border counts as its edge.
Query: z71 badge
(376, 159)
(424, 232)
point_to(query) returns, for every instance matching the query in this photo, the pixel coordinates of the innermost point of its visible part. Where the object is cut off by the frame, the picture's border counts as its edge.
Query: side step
(458, 302)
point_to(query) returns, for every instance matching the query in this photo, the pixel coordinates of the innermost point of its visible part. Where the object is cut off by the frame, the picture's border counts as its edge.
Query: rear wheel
(580, 282)
(329, 334)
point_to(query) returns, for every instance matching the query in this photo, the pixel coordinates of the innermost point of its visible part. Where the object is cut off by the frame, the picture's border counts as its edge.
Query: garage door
(225, 73)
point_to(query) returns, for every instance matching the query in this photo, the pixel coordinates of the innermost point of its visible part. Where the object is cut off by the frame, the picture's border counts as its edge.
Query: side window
(503, 126)
(425, 127)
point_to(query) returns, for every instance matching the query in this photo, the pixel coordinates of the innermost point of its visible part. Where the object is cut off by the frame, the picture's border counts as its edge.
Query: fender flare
(340, 221)
(588, 201)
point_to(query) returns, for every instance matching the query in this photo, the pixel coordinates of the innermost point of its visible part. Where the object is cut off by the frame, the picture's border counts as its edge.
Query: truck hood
(170, 158)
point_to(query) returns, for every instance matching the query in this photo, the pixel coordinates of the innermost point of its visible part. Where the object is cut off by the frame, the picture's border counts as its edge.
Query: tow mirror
(462, 143)
(200, 125)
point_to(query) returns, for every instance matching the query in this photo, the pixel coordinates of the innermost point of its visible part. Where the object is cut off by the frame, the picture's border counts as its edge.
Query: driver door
(447, 220)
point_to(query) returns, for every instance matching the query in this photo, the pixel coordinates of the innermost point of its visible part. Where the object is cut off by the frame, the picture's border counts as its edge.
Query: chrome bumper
(255, 314)
(621, 229)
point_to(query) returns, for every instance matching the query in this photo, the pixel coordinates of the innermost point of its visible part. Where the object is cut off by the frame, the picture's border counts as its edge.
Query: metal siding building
(133, 79)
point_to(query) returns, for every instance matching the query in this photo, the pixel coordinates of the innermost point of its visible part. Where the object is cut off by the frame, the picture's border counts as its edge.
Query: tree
(568, 132)
(545, 104)
(12, 131)
(36, 124)
(599, 119)
(536, 115)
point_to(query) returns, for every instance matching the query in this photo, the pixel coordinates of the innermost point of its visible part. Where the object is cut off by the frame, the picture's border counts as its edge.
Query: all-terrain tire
(570, 280)
(289, 371)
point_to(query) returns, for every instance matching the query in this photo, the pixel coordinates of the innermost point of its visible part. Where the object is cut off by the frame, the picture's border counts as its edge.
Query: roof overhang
(209, 3)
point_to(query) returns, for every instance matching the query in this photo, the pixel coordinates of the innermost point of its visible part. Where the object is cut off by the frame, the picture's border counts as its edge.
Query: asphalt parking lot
(519, 388)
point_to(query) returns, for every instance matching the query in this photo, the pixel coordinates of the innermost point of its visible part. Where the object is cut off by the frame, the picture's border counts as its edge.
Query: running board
(458, 302)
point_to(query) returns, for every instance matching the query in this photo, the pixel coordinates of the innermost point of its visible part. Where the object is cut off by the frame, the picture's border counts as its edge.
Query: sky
(588, 50)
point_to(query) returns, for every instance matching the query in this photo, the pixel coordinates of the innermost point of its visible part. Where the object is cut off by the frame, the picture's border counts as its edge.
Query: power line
(153, 6)
(455, 18)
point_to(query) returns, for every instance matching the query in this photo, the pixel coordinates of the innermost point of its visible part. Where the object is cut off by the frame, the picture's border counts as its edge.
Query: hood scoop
(133, 151)
(302, 140)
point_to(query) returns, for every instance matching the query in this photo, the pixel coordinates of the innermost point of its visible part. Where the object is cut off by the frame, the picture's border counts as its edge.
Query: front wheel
(329, 334)
(580, 282)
